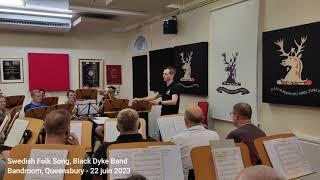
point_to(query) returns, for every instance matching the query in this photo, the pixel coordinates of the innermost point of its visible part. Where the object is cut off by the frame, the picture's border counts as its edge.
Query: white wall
(194, 26)
(107, 46)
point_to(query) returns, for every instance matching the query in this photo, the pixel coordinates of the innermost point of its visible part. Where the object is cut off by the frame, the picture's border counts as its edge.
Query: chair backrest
(68, 107)
(14, 101)
(50, 101)
(22, 151)
(262, 150)
(204, 106)
(86, 134)
(86, 94)
(203, 163)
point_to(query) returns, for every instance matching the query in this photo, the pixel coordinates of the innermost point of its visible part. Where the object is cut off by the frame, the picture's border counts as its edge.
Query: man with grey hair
(128, 125)
(195, 136)
(36, 96)
(260, 172)
(246, 132)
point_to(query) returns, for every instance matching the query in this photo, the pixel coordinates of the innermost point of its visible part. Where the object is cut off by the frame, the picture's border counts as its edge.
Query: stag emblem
(186, 67)
(293, 64)
(231, 69)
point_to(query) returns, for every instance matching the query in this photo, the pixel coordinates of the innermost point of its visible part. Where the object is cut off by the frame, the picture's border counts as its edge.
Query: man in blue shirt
(36, 96)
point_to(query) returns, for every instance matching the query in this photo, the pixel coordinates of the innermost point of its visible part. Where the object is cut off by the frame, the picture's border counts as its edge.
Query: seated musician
(36, 96)
(108, 93)
(3, 110)
(57, 127)
(71, 95)
(128, 125)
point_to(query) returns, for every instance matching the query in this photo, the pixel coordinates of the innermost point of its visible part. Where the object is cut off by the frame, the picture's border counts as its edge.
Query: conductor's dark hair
(172, 70)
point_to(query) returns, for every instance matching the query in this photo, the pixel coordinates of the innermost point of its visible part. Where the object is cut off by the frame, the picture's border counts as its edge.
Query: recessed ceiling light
(12, 2)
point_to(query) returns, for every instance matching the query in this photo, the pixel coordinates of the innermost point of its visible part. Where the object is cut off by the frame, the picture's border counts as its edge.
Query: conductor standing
(169, 92)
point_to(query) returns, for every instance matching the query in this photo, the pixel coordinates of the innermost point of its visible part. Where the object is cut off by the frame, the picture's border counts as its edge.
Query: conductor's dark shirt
(166, 94)
(247, 134)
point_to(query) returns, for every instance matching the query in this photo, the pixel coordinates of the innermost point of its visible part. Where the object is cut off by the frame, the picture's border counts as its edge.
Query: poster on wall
(91, 73)
(11, 70)
(234, 59)
(191, 63)
(113, 74)
(48, 71)
(290, 65)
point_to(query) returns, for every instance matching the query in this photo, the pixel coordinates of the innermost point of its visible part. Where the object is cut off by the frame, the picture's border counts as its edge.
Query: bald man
(195, 136)
(260, 172)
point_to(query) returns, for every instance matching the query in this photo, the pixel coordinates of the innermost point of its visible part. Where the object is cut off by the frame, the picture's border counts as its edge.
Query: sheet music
(16, 132)
(179, 125)
(170, 126)
(4, 122)
(99, 120)
(144, 161)
(228, 162)
(47, 154)
(290, 158)
(171, 162)
(76, 128)
(111, 132)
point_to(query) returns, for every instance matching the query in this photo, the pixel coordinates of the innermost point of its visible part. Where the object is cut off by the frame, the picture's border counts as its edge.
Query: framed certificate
(11, 70)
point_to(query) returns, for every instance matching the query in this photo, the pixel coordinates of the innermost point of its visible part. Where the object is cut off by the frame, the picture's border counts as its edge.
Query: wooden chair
(203, 163)
(50, 101)
(111, 107)
(86, 134)
(86, 94)
(23, 151)
(261, 149)
(14, 101)
(142, 126)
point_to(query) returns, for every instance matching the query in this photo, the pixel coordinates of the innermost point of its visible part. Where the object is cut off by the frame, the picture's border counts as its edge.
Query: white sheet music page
(171, 162)
(4, 122)
(148, 162)
(228, 162)
(144, 161)
(166, 128)
(111, 132)
(76, 128)
(16, 132)
(179, 124)
(127, 168)
(292, 157)
(44, 159)
(100, 120)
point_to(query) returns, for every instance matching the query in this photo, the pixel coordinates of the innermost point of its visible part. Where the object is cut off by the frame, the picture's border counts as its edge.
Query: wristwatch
(160, 102)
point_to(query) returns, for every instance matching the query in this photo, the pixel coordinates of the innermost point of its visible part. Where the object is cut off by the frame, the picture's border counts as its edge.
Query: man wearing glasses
(245, 132)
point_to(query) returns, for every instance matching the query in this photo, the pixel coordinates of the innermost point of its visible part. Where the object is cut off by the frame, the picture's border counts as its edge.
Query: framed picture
(91, 73)
(11, 70)
(113, 74)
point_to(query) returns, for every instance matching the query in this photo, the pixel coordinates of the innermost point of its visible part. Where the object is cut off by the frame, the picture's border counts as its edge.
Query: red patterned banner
(113, 74)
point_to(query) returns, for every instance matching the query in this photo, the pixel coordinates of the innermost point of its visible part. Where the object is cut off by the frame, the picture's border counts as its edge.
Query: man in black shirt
(128, 125)
(169, 93)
